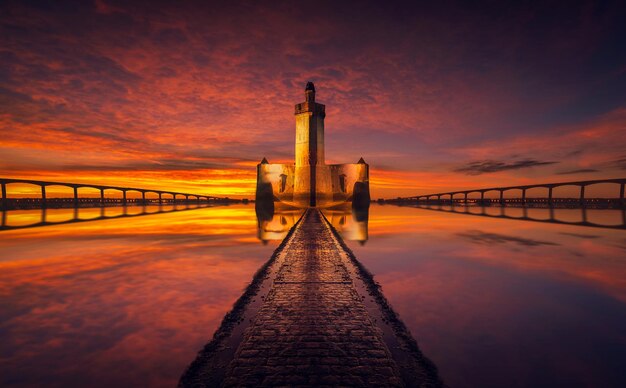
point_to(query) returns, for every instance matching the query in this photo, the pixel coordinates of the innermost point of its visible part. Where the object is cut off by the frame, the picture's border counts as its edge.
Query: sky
(190, 96)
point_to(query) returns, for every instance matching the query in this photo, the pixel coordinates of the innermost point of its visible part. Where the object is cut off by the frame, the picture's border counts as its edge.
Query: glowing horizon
(190, 97)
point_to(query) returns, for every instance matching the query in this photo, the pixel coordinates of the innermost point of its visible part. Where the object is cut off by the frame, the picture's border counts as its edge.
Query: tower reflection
(274, 223)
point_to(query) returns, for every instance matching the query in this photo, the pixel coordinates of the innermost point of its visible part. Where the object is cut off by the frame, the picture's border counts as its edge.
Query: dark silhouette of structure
(76, 201)
(549, 200)
(525, 217)
(4, 224)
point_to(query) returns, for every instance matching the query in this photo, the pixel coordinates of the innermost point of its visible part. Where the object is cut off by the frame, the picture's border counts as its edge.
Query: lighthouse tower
(309, 181)
(311, 175)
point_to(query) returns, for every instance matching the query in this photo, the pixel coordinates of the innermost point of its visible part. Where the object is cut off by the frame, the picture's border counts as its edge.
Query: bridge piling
(102, 197)
(621, 194)
(160, 199)
(501, 197)
(523, 196)
(582, 195)
(75, 196)
(124, 197)
(4, 196)
(550, 202)
(143, 198)
(43, 196)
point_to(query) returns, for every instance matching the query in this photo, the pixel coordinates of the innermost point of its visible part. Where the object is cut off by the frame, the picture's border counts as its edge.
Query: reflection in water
(581, 216)
(493, 301)
(119, 302)
(18, 219)
(350, 222)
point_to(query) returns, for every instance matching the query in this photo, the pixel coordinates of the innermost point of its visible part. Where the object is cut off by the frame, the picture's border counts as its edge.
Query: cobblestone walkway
(313, 327)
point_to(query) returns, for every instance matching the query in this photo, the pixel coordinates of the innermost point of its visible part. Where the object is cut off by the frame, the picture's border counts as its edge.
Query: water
(121, 302)
(492, 301)
(498, 302)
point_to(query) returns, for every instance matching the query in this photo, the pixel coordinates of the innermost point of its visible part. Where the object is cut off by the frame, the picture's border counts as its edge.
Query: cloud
(619, 163)
(125, 82)
(489, 166)
(579, 171)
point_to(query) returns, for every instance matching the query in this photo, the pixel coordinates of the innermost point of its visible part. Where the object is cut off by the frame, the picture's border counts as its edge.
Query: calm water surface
(130, 301)
(122, 302)
(501, 303)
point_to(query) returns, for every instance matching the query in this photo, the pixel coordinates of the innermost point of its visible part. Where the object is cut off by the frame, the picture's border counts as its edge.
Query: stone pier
(312, 317)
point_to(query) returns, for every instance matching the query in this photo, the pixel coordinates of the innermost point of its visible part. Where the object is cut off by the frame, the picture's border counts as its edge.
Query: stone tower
(309, 181)
(311, 176)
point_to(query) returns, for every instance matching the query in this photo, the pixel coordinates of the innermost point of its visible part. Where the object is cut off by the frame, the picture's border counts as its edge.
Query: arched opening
(23, 196)
(566, 196)
(473, 197)
(112, 197)
(607, 217)
(603, 195)
(570, 215)
(537, 194)
(515, 212)
(88, 197)
(152, 200)
(512, 195)
(491, 197)
(134, 198)
(167, 202)
(538, 213)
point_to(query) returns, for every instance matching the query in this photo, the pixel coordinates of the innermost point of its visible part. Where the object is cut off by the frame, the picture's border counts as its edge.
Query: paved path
(313, 327)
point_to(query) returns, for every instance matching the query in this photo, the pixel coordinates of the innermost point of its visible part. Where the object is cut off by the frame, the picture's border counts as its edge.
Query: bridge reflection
(351, 223)
(9, 217)
(552, 215)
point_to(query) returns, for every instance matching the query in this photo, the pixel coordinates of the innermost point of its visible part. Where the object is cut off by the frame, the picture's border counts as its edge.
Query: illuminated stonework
(310, 181)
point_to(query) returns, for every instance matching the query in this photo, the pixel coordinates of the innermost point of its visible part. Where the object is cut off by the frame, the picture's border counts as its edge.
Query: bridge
(551, 217)
(5, 223)
(549, 199)
(75, 201)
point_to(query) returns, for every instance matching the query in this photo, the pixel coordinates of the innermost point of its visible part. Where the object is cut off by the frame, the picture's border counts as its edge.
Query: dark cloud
(484, 238)
(579, 235)
(619, 163)
(580, 171)
(488, 166)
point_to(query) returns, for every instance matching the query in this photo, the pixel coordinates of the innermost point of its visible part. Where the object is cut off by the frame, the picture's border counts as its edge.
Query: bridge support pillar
(143, 198)
(4, 195)
(482, 197)
(621, 194)
(102, 197)
(582, 195)
(523, 196)
(124, 197)
(160, 199)
(465, 199)
(502, 197)
(550, 196)
(75, 196)
(43, 195)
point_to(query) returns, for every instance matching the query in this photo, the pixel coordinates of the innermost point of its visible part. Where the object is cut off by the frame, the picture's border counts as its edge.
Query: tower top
(309, 92)
(309, 105)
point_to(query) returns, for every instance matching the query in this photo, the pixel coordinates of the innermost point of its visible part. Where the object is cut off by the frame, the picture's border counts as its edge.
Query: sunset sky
(190, 96)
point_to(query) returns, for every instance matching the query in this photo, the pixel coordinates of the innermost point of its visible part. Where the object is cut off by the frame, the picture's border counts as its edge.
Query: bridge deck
(314, 326)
